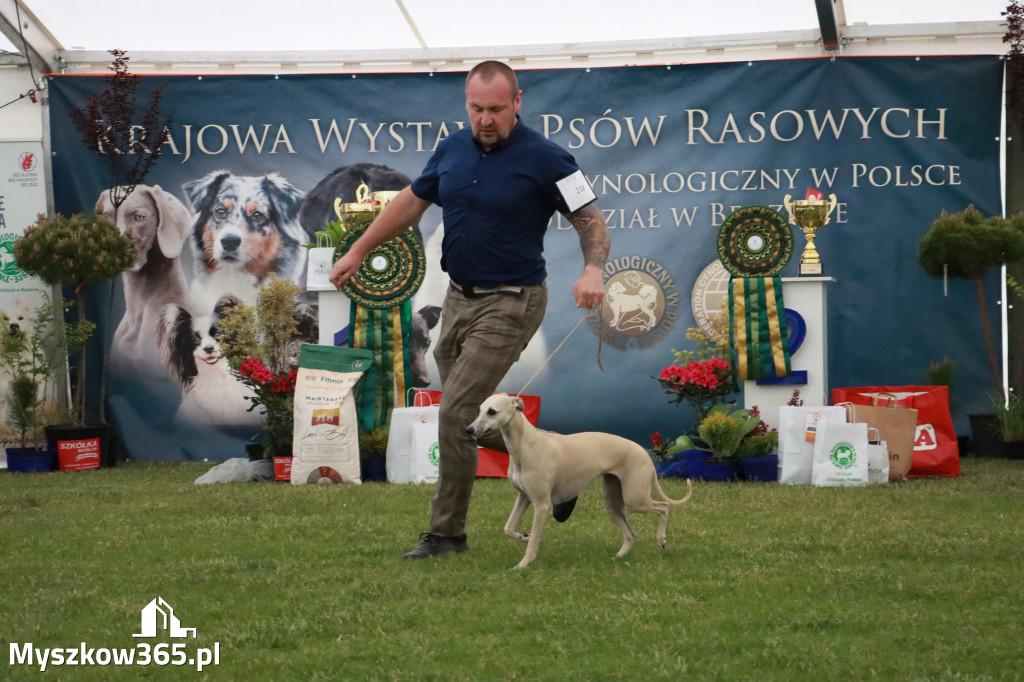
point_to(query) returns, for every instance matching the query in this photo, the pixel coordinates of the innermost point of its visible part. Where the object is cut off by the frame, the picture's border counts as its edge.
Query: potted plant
(704, 385)
(758, 451)
(373, 447)
(29, 357)
(73, 251)
(723, 430)
(703, 379)
(964, 245)
(719, 437)
(1005, 429)
(261, 344)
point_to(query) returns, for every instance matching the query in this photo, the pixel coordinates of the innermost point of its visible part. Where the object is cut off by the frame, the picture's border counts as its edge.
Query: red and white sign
(79, 455)
(282, 468)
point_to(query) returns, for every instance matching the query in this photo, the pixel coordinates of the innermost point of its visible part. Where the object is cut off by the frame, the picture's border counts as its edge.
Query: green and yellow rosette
(381, 314)
(755, 241)
(754, 244)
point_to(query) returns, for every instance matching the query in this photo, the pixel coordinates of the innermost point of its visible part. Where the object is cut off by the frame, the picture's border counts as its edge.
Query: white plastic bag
(238, 470)
(409, 442)
(878, 458)
(425, 452)
(798, 427)
(840, 455)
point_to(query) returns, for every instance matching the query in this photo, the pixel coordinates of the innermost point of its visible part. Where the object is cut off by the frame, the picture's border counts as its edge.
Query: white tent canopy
(427, 34)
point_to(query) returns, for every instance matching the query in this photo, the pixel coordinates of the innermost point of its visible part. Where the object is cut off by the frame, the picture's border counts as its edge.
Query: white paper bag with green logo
(840, 455)
(405, 462)
(425, 452)
(798, 427)
(319, 264)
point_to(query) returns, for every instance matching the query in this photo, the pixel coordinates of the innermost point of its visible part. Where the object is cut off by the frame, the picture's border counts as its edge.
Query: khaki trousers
(480, 340)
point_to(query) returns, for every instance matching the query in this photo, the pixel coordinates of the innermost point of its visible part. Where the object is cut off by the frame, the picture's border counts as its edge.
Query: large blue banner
(670, 151)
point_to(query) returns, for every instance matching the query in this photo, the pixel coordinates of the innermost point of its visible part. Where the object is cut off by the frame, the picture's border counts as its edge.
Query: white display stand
(808, 297)
(335, 308)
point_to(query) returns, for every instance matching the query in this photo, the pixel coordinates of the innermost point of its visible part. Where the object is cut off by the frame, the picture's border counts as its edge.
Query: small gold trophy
(810, 215)
(363, 209)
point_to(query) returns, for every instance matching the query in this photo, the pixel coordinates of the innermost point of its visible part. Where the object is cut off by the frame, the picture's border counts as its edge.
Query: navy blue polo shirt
(495, 204)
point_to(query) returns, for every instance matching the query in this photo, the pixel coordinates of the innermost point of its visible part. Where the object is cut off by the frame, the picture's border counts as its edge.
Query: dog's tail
(657, 486)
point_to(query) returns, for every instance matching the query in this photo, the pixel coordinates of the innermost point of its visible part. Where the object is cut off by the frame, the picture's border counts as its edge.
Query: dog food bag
(325, 445)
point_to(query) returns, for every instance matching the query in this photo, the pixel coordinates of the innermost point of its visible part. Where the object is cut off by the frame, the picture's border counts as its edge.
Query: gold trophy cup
(366, 207)
(810, 215)
(383, 197)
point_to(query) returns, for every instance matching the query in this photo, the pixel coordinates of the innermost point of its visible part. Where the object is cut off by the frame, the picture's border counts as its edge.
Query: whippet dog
(549, 468)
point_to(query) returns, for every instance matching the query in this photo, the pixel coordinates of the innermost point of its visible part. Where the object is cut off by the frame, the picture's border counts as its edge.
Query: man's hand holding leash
(595, 242)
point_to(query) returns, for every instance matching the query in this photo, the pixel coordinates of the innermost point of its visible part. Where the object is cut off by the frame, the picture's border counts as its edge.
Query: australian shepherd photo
(245, 229)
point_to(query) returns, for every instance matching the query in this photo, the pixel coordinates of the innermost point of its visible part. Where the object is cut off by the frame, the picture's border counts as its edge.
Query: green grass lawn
(914, 581)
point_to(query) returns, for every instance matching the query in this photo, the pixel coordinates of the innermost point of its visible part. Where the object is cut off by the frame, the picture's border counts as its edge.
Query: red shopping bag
(935, 448)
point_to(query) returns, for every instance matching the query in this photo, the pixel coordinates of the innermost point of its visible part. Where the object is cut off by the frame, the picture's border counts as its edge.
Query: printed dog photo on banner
(241, 230)
(210, 393)
(202, 252)
(318, 209)
(246, 229)
(427, 304)
(160, 224)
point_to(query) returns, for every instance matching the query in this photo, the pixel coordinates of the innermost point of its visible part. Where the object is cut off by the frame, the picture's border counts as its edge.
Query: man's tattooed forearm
(594, 238)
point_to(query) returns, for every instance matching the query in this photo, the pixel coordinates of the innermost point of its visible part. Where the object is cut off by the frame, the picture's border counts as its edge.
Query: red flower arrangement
(701, 383)
(276, 394)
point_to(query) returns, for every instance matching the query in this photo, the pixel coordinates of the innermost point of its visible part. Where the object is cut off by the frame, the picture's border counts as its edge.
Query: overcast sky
(199, 25)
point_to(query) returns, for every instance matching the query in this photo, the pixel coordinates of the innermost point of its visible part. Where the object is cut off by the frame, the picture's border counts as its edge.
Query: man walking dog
(498, 183)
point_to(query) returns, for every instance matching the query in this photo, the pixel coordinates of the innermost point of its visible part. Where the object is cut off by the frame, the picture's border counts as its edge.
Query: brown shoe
(437, 545)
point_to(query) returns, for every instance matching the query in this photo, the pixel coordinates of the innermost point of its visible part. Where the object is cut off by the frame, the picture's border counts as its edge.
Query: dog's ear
(173, 220)
(198, 192)
(286, 197)
(431, 314)
(518, 402)
(103, 204)
(224, 305)
(175, 338)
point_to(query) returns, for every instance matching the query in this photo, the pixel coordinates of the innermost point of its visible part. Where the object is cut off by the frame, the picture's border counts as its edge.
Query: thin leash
(558, 348)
